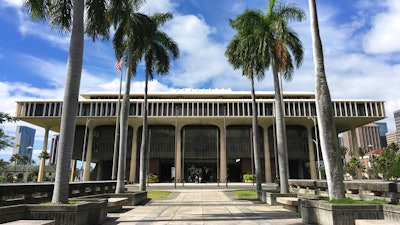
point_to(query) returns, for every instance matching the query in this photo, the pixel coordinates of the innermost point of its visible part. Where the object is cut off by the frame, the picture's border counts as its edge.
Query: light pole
(29, 148)
(316, 145)
(84, 147)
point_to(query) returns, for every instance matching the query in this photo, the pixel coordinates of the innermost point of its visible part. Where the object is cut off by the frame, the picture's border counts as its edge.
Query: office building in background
(24, 140)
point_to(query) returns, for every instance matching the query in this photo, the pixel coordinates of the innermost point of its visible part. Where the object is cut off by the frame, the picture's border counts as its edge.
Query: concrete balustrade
(24, 193)
(357, 189)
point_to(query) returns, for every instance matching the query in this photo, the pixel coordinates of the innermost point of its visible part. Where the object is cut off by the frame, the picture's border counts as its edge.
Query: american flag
(118, 66)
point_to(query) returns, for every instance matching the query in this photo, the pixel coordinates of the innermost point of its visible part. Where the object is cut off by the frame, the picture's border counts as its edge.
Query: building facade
(54, 148)
(367, 137)
(24, 140)
(391, 137)
(208, 131)
(382, 132)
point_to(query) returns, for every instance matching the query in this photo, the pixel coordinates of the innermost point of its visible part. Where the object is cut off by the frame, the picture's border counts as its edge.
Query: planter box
(324, 213)
(391, 212)
(84, 213)
(12, 213)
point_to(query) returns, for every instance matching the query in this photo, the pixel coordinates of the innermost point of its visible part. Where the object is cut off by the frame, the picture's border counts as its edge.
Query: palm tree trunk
(123, 138)
(254, 123)
(280, 134)
(325, 115)
(143, 147)
(70, 105)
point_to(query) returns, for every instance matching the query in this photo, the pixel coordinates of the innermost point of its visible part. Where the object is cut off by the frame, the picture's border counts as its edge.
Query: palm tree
(132, 29)
(270, 42)
(325, 114)
(157, 51)
(68, 16)
(240, 53)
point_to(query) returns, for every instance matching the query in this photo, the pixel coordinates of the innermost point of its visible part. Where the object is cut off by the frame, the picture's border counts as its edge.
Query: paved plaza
(203, 204)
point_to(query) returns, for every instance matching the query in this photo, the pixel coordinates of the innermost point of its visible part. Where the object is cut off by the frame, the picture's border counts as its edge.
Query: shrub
(249, 176)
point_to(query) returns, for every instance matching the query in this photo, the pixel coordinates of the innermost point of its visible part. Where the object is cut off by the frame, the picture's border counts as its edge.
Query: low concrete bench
(376, 222)
(289, 203)
(31, 222)
(115, 204)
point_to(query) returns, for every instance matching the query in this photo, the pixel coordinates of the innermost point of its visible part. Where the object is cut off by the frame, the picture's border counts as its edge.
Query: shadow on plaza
(273, 215)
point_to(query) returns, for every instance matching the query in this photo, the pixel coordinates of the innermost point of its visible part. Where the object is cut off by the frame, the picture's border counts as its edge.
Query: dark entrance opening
(234, 172)
(205, 170)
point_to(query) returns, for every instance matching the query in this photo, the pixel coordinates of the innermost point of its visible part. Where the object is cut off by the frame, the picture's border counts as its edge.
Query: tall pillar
(132, 172)
(73, 169)
(222, 156)
(178, 156)
(267, 158)
(311, 154)
(86, 171)
(355, 149)
(43, 160)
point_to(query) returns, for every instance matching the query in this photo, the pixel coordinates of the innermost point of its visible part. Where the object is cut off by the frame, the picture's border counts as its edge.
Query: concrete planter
(324, 213)
(84, 213)
(391, 212)
(270, 197)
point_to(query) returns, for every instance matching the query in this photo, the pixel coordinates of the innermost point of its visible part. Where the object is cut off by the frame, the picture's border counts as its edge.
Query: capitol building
(208, 129)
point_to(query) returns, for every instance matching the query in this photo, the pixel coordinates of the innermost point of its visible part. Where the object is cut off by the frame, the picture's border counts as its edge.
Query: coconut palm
(132, 29)
(240, 55)
(269, 42)
(158, 49)
(325, 114)
(68, 17)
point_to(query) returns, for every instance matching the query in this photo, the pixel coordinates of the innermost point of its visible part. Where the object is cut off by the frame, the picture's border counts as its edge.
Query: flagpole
(116, 137)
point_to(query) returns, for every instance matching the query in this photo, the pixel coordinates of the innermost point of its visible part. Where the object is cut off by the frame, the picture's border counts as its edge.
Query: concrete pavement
(203, 204)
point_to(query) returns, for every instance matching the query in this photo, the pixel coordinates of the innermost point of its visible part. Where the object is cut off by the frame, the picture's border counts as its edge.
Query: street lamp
(84, 147)
(316, 144)
(29, 148)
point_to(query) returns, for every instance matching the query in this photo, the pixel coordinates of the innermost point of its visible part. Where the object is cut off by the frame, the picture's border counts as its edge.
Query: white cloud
(159, 6)
(201, 58)
(12, 3)
(384, 35)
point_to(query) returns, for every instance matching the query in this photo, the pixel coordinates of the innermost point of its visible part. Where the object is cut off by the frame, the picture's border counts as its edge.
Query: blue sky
(360, 40)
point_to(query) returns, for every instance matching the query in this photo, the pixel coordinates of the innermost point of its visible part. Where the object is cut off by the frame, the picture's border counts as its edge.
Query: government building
(203, 130)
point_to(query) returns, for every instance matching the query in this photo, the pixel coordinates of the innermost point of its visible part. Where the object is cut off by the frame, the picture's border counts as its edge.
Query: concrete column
(43, 160)
(132, 172)
(222, 156)
(311, 153)
(178, 156)
(73, 169)
(86, 171)
(267, 158)
(355, 149)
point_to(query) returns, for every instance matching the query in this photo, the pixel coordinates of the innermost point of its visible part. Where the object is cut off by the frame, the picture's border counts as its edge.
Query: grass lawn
(157, 194)
(247, 194)
(353, 201)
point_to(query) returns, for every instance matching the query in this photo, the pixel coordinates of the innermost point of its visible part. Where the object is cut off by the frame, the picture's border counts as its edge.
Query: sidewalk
(203, 204)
